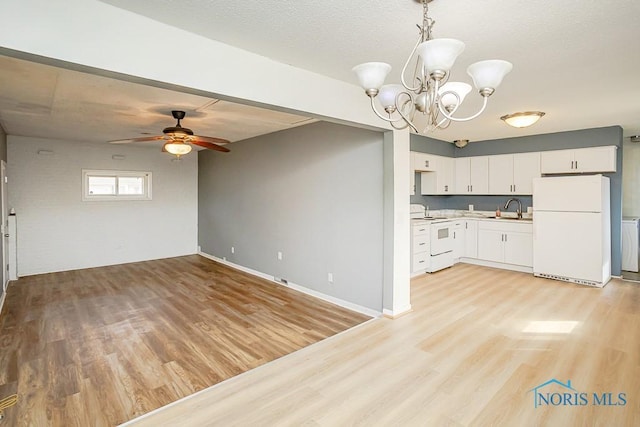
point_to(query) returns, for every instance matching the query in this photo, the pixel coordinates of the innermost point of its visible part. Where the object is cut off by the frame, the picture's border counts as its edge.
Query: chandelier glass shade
(429, 91)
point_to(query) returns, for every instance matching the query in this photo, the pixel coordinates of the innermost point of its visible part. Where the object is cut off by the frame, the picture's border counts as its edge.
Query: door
(569, 244)
(423, 162)
(441, 238)
(462, 173)
(445, 175)
(526, 167)
(595, 159)
(471, 239)
(518, 249)
(501, 174)
(4, 240)
(479, 174)
(556, 161)
(491, 245)
(569, 193)
(459, 240)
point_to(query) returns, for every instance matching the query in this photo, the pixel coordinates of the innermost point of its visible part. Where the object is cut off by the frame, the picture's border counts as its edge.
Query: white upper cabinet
(472, 175)
(440, 181)
(580, 160)
(501, 174)
(513, 173)
(526, 166)
(423, 161)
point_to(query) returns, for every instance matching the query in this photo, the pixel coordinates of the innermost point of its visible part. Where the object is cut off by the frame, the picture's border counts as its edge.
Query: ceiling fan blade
(211, 139)
(141, 139)
(210, 146)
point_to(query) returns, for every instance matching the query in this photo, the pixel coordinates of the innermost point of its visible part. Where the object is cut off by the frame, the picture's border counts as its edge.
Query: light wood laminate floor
(101, 346)
(478, 340)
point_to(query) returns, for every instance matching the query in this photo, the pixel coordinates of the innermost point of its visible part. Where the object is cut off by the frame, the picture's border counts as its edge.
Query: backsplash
(462, 202)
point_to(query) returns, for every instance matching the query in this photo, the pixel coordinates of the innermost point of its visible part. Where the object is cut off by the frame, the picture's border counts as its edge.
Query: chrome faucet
(519, 211)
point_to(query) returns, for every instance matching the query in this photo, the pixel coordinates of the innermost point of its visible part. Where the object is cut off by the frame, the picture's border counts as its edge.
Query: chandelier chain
(427, 22)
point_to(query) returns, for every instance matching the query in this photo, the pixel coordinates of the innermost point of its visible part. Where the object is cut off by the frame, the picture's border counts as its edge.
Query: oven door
(441, 238)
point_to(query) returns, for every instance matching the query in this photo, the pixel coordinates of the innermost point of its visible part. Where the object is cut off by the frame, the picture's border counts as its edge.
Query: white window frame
(86, 173)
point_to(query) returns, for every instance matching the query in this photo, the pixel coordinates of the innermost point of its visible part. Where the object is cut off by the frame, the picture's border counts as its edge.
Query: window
(115, 185)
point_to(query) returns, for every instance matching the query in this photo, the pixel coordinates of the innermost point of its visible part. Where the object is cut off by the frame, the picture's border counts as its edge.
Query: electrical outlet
(330, 277)
(470, 208)
(224, 258)
(279, 256)
(233, 249)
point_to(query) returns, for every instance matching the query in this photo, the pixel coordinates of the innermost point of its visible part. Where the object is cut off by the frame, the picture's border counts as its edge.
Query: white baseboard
(394, 314)
(500, 265)
(333, 300)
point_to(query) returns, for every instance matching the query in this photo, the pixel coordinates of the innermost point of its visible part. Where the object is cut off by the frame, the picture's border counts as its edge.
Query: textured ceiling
(48, 102)
(577, 60)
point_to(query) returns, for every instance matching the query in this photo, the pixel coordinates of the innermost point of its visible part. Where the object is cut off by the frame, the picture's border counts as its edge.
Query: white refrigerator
(572, 229)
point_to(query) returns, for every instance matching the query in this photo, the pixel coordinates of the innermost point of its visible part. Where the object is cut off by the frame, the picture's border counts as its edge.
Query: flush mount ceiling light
(461, 143)
(429, 92)
(522, 120)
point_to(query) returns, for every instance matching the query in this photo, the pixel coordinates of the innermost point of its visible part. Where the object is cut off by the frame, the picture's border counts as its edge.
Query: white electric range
(431, 241)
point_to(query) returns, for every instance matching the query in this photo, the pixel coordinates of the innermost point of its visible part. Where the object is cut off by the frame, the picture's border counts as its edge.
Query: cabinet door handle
(421, 244)
(471, 187)
(576, 164)
(514, 188)
(426, 163)
(505, 237)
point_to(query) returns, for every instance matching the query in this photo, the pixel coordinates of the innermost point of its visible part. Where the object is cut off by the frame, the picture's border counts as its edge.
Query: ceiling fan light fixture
(523, 119)
(177, 148)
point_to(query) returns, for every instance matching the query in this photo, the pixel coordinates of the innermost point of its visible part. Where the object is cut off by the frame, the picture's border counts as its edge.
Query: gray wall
(611, 135)
(315, 193)
(57, 231)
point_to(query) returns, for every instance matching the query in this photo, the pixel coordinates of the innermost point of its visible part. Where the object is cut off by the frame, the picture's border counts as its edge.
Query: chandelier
(429, 92)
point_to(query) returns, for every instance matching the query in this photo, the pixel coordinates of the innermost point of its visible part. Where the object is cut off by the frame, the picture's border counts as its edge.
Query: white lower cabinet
(419, 248)
(471, 238)
(506, 242)
(459, 239)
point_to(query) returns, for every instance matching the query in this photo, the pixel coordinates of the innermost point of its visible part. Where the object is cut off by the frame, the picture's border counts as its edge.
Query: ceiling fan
(179, 139)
